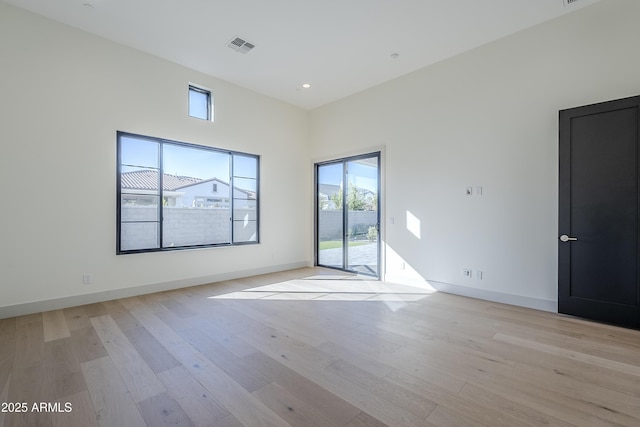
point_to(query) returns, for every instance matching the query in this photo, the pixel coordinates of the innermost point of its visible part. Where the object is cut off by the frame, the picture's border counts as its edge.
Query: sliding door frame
(345, 212)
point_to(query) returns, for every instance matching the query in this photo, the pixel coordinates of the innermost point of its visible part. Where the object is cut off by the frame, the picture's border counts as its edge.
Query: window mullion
(160, 201)
(231, 199)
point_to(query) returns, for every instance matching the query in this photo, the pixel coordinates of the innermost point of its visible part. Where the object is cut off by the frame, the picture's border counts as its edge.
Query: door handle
(565, 238)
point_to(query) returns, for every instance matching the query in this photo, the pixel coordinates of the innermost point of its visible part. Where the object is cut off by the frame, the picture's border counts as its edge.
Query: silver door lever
(566, 238)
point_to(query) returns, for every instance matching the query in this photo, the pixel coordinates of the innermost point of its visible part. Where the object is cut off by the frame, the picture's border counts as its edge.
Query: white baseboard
(75, 300)
(511, 299)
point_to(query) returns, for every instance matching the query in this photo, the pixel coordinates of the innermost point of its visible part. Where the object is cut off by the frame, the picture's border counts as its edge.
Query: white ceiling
(340, 47)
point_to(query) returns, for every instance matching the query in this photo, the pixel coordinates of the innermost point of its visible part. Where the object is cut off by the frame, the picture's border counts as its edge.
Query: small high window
(200, 105)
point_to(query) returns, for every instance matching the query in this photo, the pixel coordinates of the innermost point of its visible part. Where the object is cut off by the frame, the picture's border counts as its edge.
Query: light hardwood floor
(312, 347)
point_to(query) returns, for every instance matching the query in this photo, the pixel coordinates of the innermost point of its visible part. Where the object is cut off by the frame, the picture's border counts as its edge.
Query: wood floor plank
(7, 349)
(224, 333)
(113, 404)
(563, 324)
(163, 410)
(523, 413)
(55, 325)
(153, 301)
(446, 417)
(406, 364)
(595, 344)
(28, 375)
(236, 368)
(7, 326)
(306, 363)
(76, 318)
(156, 356)
(87, 344)
(295, 296)
(474, 339)
(216, 311)
(81, 413)
(449, 359)
(291, 409)
(178, 308)
(238, 401)
(607, 404)
(120, 315)
(335, 408)
(366, 339)
(571, 410)
(196, 401)
(357, 357)
(628, 352)
(4, 397)
(29, 384)
(485, 414)
(229, 421)
(365, 420)
(262, 312)
(63, 368)
(393, 393)
(29, 341)
(625, 368)
(292, 347)
(136, 374)
(228, 338)
(95, 310)
(312, 347)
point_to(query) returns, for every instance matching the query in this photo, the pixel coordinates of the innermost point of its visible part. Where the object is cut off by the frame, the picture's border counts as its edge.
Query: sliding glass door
(348, 214)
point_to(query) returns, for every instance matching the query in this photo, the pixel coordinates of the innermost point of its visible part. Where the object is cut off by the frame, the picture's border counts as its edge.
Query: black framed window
(200, 103)
(174, 195)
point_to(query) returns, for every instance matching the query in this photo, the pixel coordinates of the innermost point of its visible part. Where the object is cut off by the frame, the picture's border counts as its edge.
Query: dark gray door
(598, 218)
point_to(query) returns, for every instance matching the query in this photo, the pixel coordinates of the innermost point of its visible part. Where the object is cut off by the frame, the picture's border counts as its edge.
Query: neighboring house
(140, 188)
(214, 193)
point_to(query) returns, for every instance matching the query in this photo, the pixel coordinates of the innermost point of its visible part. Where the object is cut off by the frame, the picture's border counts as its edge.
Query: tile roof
(148, 180)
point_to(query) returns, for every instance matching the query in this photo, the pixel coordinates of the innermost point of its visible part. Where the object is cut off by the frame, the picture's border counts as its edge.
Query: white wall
(63, 95)
(489, 118)
(484, 118)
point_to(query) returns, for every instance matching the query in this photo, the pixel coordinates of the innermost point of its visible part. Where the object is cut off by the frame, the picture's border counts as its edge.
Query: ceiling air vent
(242, 46)
(568, 2)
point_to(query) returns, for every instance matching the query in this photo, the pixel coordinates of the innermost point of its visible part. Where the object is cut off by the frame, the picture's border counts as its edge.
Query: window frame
(201, 90)
(232, 219)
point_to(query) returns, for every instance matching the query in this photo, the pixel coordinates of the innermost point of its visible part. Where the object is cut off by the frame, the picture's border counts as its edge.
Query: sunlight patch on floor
(331, 287)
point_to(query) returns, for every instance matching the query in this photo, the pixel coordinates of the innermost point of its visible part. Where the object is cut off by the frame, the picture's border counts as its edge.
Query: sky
(362, 175)
(207, 164)
(184, 160)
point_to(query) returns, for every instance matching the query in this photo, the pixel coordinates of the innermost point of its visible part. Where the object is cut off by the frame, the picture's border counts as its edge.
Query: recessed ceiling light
(306, 85)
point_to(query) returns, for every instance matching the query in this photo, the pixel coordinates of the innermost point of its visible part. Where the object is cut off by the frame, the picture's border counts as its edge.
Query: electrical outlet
(403, 265)
(86, 279)
(466, 272)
